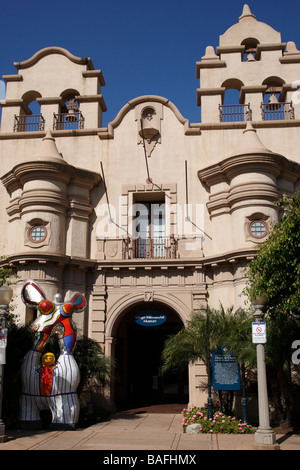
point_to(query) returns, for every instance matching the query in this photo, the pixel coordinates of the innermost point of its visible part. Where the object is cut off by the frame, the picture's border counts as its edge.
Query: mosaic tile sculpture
(48, 384)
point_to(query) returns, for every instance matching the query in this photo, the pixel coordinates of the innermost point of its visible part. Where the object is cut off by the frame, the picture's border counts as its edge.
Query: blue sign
(150, 318)
(226, 371)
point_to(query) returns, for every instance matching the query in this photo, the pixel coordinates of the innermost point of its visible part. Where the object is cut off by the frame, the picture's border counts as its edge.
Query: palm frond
(209, 330)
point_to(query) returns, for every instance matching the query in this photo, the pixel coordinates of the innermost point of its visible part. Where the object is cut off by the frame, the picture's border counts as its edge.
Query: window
(258, 228)
(37, 233)
(150, 230)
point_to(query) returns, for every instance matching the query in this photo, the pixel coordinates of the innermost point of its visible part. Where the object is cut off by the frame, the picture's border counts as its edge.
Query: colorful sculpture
(47, 384)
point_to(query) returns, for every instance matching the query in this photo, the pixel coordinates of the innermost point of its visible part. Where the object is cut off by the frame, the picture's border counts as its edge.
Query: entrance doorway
(139, 380)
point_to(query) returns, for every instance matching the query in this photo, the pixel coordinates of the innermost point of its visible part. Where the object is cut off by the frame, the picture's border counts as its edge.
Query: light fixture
(6, 294)
(259, 300)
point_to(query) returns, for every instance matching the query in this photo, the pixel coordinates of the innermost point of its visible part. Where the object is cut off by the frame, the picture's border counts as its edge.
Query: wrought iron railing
(235, 112)
(62, 121)
(151, 248)
(277, 111)
(29, 123)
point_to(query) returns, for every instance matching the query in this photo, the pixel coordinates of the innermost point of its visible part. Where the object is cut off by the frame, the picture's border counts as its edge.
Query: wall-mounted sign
(226, 371)
(150, 318)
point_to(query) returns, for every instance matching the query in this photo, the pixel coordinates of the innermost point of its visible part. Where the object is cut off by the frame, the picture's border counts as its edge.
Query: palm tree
(207, 331)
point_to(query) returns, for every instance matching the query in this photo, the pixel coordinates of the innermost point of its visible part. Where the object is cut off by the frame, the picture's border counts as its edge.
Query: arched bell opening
(274, 106)
(250, 49)
(30, 118)
(69, 115)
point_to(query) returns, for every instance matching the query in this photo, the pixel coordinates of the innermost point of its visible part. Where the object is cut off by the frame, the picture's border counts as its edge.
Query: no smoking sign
(259, 333)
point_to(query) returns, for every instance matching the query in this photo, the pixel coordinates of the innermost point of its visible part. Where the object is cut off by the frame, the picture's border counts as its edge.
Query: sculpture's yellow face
(48, 359)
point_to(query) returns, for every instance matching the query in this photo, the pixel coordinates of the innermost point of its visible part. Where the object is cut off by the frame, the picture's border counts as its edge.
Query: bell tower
(252, 60)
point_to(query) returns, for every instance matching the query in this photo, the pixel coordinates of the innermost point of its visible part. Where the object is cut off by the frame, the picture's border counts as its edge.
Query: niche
(148, 117)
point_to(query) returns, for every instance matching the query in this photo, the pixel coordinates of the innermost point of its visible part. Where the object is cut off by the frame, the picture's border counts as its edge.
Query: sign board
(225, 371)
(3, 337)
(3, 344)
(259, 335)
(150, 318)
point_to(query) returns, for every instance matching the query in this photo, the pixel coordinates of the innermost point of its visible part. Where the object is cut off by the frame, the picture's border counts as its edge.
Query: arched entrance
(139, 380)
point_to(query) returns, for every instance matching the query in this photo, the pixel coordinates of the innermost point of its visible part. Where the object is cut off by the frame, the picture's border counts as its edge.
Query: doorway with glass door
(149, 230)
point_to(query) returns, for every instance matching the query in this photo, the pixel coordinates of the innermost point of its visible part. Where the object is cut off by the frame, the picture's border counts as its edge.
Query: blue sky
(141, 46)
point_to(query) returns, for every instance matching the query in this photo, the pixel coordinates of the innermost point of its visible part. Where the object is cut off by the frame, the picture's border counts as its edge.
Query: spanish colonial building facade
(152, 217)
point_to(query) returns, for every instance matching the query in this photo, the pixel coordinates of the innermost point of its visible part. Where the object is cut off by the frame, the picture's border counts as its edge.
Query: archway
(139, 381)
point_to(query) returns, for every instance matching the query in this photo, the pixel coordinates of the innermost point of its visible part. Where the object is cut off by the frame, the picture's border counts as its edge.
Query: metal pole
(264, 435)
(209, 401)
(244, 399)
(2, 425)
(3, 312)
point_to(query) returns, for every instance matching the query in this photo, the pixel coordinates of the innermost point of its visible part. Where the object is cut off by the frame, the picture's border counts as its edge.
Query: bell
(71, 116)
(72, 109)
(273, 102)
(250, 51)
(250, 57)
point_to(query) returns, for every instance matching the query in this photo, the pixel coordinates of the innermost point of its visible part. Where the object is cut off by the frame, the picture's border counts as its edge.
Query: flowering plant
(219, 423)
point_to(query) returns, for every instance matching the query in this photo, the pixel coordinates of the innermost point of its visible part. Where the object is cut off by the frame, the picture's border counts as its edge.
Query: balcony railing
(30, 123)
(151, 248)
(277, 112)
(68, 121)
(235, 113)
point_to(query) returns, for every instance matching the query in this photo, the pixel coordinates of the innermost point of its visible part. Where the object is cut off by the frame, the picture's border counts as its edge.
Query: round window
(37, 233)
(258, 228)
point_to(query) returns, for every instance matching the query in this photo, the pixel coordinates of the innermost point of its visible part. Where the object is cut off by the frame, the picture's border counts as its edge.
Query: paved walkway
(133, 432)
